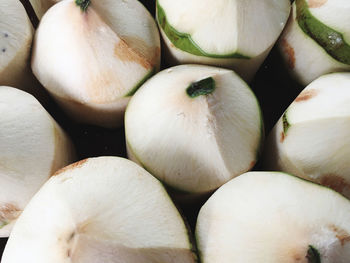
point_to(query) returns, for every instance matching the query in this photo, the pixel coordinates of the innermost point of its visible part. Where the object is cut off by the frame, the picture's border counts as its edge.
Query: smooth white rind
(114, 209)
(245, 68)
(93, 55)
(141, 34)
(33, 147)
(16, 34)
(331, 95)
(194, 144)
(334, 14)
(229, 26)
(306, 59)
(220, 28)
(316, 144)
(273, 217)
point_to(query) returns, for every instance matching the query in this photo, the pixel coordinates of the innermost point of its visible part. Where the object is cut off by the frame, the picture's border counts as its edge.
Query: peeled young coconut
(105, 209)
(16, 35)
(311, 139)
(194, 127)
(236, 34)
(266, 217)
(33, 147)
(92, 56)
(41, 6)
(316, 40)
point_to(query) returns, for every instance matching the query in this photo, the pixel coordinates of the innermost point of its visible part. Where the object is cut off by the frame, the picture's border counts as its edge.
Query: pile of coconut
(193, 130)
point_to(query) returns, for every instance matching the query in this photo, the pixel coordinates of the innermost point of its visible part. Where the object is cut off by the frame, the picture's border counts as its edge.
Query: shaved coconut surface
(228, 26)
(97, 58)
(325, 98)
(33, 147)
(333, 13)
(101, 209)
(315, 145)
(194, 144)
(96, 78)
(332, 41)
(16, 33)
(305, 58)
(273, 217)
(245, 68)
(141, 34)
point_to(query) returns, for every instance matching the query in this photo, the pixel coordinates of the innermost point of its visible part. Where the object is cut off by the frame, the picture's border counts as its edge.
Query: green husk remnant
(184, 41)
(286, 124)
(313, 256)
(329, 39)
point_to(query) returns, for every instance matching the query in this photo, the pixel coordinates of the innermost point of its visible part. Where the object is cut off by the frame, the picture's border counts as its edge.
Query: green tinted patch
(184, 41)
(202, 87)
(330, 40)
(313, 256)
(3, 223)
(286, 124)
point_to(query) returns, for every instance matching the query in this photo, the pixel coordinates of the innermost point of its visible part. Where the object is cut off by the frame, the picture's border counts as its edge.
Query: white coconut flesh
(105, 209)
(194, 144)
(334, 14)
(274, 217)
(306, 58)
(227, 27)
(311, 139)
(97, 57)
(33, 147)
(16, 34)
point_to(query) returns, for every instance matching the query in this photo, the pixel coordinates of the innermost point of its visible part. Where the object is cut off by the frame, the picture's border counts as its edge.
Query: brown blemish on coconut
(289, 51)
(138, 45)
(70, 167)
(156, 56)
(316, 3)
(295, 254)
(341, 234)
(123, 52)
(297, 258)
(282, 137)
(102, 89)
(306, 95)
(343, 239)
(335, 182)
(9, 212)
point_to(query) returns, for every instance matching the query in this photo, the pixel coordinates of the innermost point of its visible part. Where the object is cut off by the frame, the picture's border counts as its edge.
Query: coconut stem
(83, 4)
(202, 87)
(313, 256)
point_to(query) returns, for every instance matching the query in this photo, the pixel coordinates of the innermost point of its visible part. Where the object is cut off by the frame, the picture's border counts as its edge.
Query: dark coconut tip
(313, 256)
(202, 87)
(83, 4)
